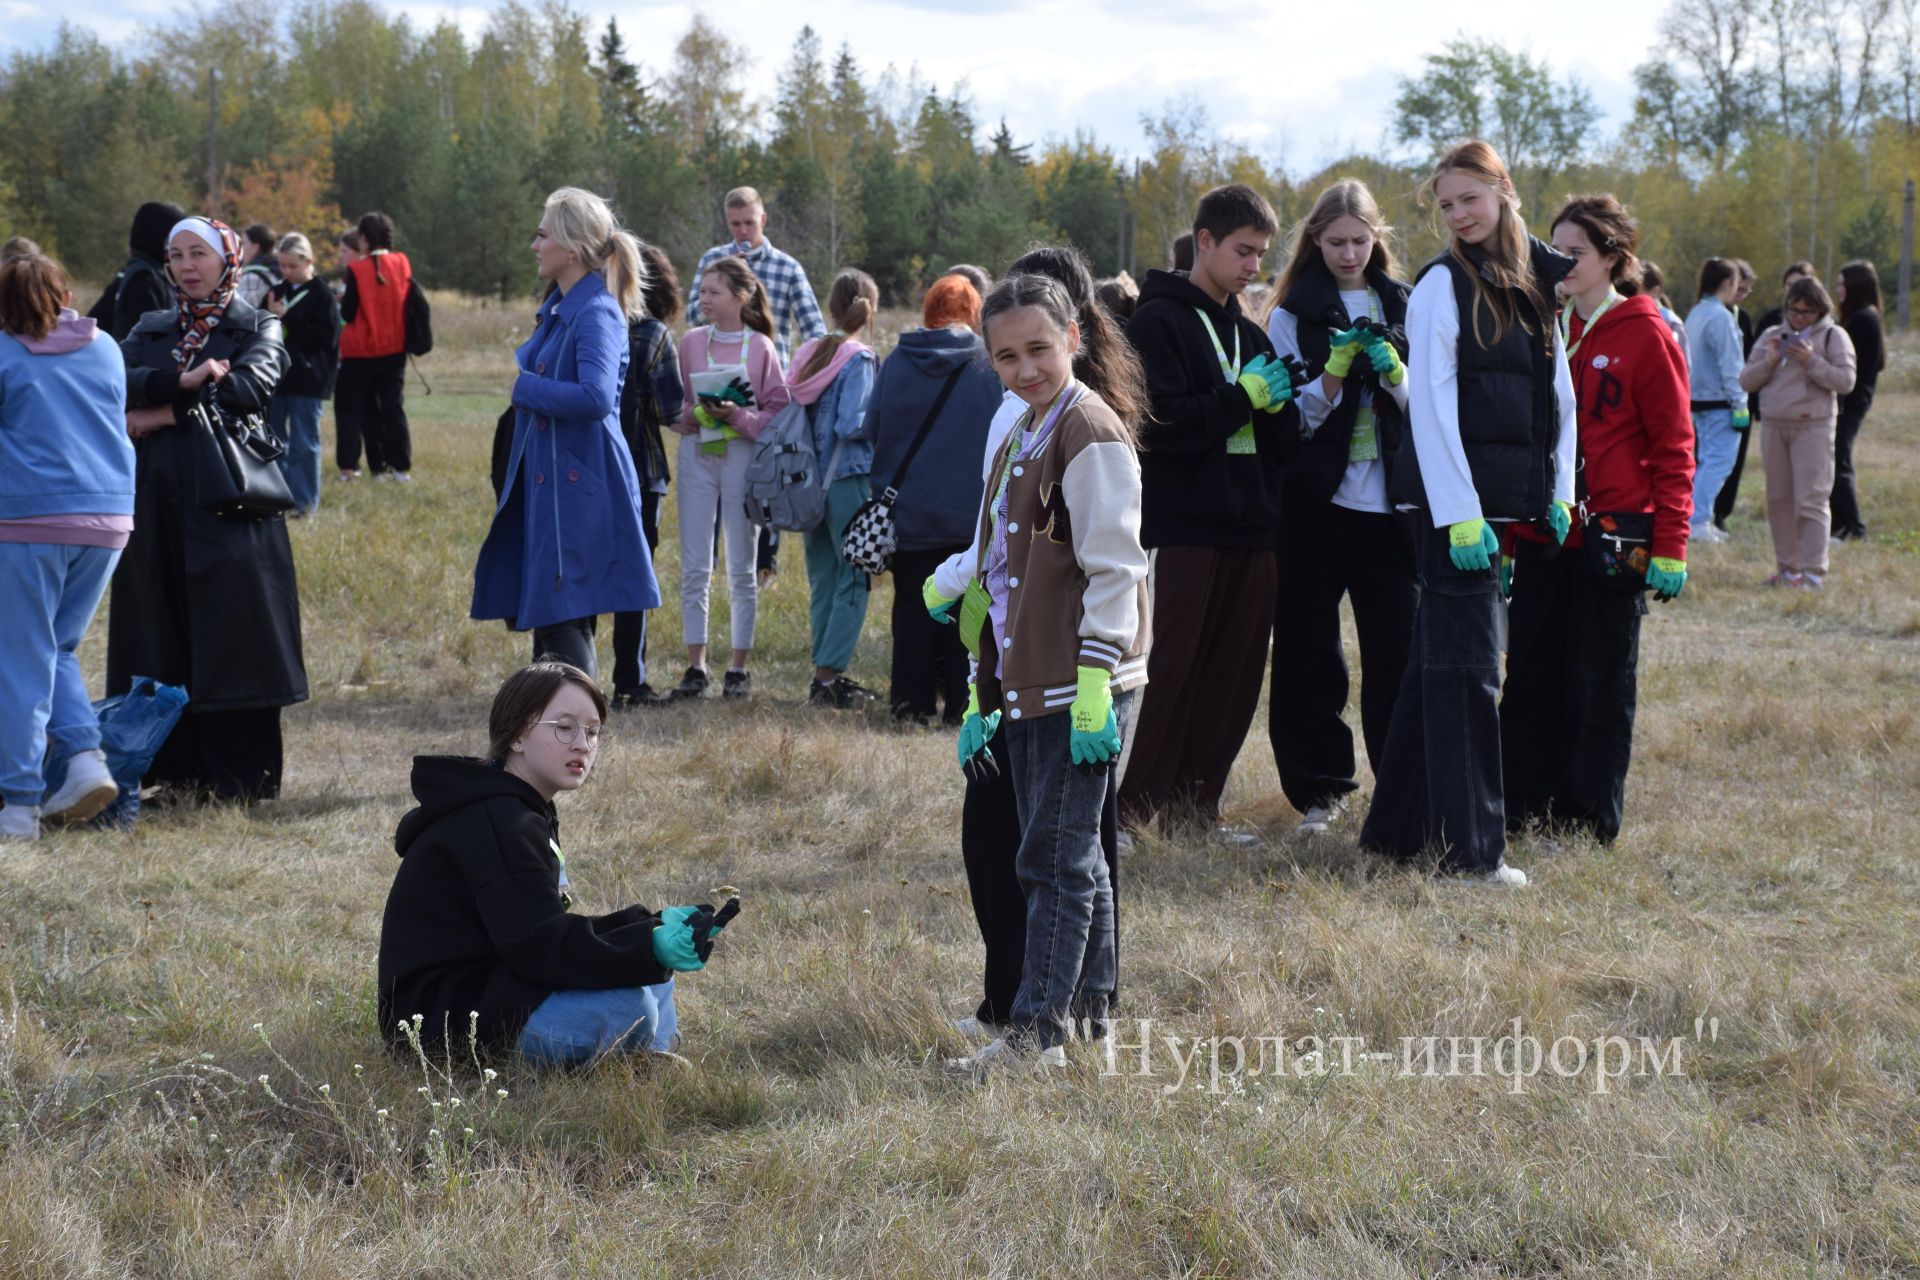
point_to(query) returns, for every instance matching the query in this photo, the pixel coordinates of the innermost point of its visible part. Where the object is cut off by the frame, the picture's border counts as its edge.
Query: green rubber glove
(1506, 577)
(1386, 361)
(703, 419)
(976, 731)
(680, 942)
(1472, 545)
(1666, 577)
(1560, 520)
(1742, 419)
(937, 605)
(1342, 348)
(1096, 733)
(1267, 383)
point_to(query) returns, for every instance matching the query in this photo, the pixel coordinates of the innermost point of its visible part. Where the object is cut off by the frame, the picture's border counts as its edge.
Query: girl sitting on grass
(477, 927)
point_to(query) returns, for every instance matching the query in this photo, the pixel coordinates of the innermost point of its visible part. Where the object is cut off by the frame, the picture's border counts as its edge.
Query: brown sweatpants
(1799, 458)
(1212, 619)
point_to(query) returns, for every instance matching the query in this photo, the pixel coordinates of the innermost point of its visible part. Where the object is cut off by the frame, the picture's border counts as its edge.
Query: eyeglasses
(1803, 311)
(566, 732)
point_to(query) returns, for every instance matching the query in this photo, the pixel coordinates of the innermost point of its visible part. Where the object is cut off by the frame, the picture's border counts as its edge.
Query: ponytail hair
(376, 232)
(1105, 362)
(852, 302)
(756, 310)
(1508, 267)
(1613, 232)
(582, 222)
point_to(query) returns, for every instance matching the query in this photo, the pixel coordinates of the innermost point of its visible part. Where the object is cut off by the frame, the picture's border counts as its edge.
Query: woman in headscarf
(203, 600)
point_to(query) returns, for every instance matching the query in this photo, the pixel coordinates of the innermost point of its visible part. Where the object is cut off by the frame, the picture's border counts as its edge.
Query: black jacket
(311, 329)
(1194, 492)
(202, 600)
(653, 363)
(1509, 417)
(1870, 352)
(140, 287)
(1315, 302)
(474, 921)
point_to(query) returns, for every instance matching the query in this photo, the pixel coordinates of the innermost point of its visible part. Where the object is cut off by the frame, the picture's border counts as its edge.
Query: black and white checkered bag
(872, 537)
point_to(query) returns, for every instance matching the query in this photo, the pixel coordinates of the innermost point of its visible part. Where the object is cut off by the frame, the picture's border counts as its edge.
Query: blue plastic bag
(133, 727)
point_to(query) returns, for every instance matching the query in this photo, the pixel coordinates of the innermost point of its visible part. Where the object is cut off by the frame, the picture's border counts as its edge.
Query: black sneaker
(839, 693)
(821, 693)
(644, 695)
(738, 684)
(692, 685)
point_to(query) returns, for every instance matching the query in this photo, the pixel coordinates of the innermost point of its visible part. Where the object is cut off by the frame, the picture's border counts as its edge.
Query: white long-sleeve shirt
(951, 578)
(1433, 381)
(1364, 486)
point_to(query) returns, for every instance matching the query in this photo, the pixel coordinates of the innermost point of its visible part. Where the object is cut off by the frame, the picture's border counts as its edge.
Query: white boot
(89, 788)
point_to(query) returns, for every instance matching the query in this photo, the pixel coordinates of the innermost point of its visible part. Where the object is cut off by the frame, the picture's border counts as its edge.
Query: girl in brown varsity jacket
(1057, 617)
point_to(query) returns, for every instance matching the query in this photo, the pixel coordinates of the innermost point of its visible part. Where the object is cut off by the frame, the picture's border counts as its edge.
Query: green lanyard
(1566, 323)
(566, 897)
(1241, 441)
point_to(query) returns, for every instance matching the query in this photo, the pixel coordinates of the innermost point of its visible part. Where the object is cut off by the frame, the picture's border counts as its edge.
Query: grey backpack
(786, 489)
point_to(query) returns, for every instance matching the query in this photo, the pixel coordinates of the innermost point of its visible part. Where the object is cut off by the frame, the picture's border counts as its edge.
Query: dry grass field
(192, 1085)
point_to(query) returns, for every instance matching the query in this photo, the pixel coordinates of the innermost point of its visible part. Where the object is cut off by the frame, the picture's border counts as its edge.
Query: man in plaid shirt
(796, 313)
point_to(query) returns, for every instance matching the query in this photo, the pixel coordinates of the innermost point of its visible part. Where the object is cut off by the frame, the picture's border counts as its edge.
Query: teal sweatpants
(838, 590)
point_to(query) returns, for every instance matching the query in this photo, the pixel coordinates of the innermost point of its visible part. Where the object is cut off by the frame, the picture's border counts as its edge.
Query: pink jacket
(770, 393)
(1792, 392)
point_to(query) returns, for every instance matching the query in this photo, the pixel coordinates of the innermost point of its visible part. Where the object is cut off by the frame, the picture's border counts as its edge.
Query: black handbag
(1618, 547)
(871, 536)
(239, 461)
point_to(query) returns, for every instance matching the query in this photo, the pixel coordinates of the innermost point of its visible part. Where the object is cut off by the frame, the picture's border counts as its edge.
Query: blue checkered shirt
(795, 310)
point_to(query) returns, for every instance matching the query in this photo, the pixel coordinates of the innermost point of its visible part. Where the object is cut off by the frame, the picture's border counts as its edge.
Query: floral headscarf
(198, 319)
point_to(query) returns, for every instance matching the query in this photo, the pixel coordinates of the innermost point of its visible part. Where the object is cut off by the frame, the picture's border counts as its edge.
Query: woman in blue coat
(567, 541)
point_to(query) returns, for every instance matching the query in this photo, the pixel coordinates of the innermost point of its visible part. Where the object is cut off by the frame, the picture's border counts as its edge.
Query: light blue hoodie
(63, 429)
(1714, 358)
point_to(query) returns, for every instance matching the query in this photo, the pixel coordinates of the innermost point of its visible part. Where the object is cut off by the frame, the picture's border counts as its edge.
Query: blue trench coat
(566, 540)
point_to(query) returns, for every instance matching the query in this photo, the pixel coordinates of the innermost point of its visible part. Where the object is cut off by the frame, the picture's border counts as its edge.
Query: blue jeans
(296, 421)
(1071, 961)
(51, 593)
(571, 1028)
(1437, 785)
(1717, 442)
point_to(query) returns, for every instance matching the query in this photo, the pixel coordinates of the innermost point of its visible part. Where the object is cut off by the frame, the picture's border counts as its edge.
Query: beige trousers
(1799, 458)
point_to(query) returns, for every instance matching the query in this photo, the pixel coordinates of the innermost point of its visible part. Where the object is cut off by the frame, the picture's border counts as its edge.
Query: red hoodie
(1636, 431)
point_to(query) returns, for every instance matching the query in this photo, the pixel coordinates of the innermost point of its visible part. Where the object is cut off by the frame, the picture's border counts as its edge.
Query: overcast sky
(1291, 90)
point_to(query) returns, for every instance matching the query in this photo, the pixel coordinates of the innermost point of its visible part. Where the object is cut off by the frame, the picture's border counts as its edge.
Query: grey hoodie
(939, 496)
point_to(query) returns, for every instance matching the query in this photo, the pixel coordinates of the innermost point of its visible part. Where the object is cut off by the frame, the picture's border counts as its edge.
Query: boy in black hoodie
(1223, 425)
(477, 928)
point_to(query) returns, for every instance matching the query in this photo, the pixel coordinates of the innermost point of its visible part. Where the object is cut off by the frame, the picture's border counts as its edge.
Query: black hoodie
(1193, 492)
(474, 921)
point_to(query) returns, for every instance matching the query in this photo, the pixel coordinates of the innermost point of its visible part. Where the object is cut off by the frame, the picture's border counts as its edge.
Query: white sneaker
(1707, 533)
(89, 788)
(18, 822)
(1232, 837)
(974, 1029)
(1007, 1053)
(1503, 876)
(1123, 840)
(1319, 818)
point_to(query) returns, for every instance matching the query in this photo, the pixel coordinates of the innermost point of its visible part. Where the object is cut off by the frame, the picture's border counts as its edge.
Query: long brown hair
(1347, 198)
(1612, 230)
(756, 310)
(1106, 361)
(1508, 261)
(851, 302)
(526, 694)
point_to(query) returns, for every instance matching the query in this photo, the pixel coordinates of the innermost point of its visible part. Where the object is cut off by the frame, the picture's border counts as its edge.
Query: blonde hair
(296, 244)
(1509, 266)
(851, 302)
(1347, 198)
(743, 198)
(581, 221)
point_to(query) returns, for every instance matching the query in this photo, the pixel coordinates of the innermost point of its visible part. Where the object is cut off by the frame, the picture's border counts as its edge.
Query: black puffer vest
(1509, 414)
(1314, 301)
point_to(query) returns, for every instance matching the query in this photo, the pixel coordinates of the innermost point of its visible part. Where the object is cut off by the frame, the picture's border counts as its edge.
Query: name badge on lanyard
(1241, 441)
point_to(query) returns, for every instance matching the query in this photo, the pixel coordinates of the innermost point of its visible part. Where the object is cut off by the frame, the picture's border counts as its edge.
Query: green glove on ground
(976, 731)
(1742, 419)
(1096, 733)
(1386, 361)
(1666, 576)
(1266, 383)
(1343, 348)
(937, 605)
(1471, 545)
(1560, 519)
